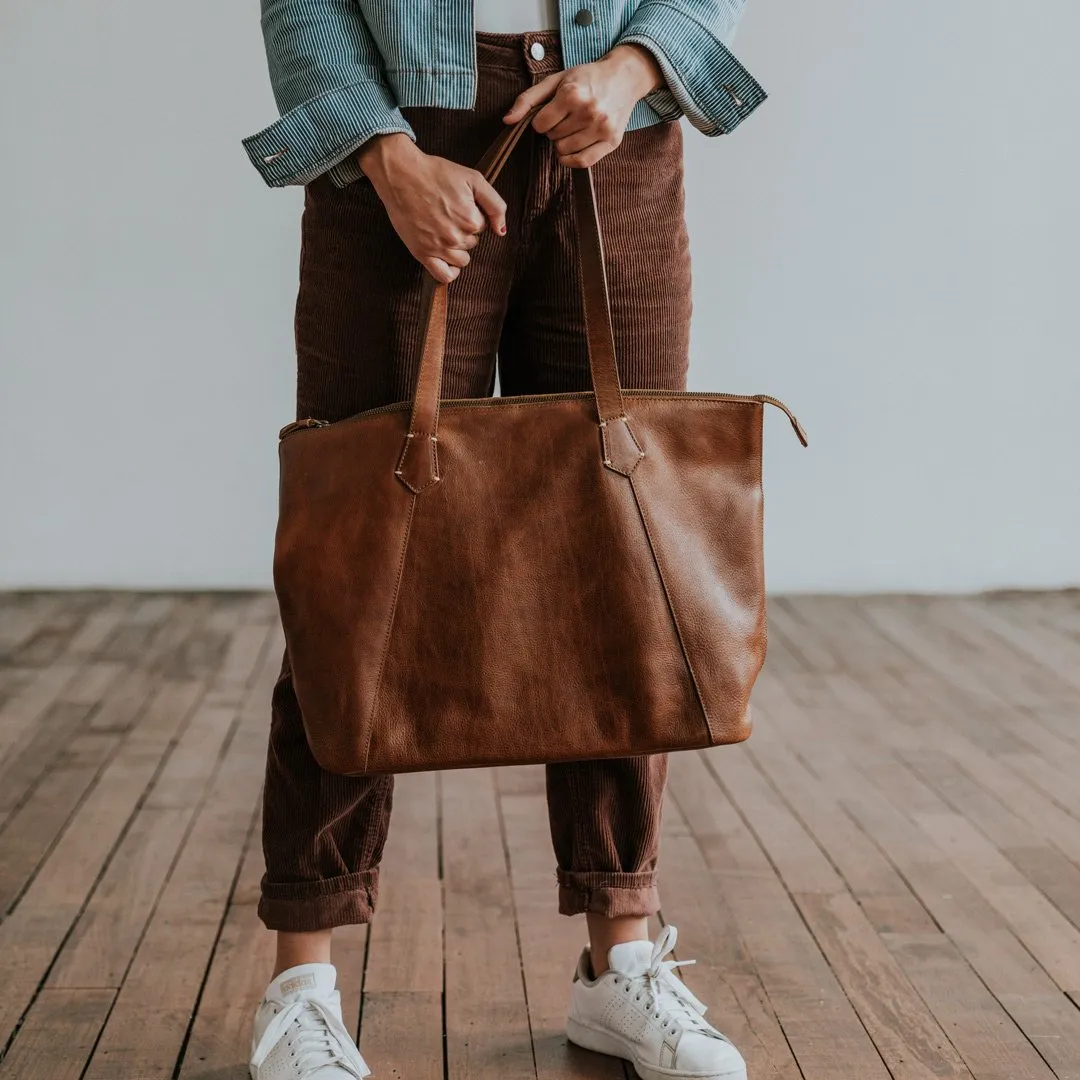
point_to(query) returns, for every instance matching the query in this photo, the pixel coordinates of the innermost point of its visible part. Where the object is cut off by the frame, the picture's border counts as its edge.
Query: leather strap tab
(418, 465)
(622, 451)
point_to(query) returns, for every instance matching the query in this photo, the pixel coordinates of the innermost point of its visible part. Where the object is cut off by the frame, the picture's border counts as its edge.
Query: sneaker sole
(604, 1042)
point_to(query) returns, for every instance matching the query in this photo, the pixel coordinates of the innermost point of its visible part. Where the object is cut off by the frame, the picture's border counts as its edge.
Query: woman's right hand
(437, 207)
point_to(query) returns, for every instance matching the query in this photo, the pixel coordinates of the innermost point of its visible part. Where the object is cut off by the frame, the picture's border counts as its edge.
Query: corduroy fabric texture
(515, 308)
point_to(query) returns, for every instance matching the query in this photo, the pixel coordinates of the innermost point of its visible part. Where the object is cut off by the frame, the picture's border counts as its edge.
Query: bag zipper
(767, 399)
(299, 425)
(401, 406)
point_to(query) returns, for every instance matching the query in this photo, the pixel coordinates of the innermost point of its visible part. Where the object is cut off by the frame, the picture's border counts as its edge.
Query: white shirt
(516, 16)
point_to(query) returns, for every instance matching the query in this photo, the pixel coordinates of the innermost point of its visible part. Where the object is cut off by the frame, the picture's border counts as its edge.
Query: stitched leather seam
(597, 250)
(433, 476)
(607, 449)
(504, 403)
(389, 627)
(580, 395)
(671, 610)
(442, 362)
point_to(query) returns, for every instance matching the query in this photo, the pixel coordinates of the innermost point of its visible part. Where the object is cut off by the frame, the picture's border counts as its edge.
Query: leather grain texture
(519, 580)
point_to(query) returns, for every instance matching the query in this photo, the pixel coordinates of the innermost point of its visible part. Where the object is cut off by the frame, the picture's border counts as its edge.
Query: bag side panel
(342, 532)
(699, 488)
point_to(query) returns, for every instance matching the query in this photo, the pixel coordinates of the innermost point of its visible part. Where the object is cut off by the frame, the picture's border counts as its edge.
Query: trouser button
(537, 51)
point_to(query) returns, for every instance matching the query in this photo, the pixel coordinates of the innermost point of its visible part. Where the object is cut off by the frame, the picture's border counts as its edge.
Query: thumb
(535, 95)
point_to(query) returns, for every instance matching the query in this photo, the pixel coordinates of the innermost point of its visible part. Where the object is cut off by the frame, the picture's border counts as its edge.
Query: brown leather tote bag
(526, 579)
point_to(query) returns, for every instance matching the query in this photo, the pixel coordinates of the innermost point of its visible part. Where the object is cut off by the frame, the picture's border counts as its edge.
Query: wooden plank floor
(885, 881)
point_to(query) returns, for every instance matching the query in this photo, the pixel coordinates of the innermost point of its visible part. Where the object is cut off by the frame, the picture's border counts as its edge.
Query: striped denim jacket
(342, 69)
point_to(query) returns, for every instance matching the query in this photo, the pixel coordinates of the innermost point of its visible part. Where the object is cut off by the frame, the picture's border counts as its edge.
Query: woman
(386, 104)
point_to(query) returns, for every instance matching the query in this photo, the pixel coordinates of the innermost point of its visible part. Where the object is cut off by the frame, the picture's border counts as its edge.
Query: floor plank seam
(517, 924)
(102, 870)
(973, 970)
(793, 901)
(252, 825)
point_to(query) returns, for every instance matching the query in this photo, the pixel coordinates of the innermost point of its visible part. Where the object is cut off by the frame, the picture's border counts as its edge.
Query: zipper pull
(765, 399)
(299, 425)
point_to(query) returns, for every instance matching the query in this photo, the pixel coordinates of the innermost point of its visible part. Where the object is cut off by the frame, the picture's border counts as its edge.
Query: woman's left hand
(588, 107)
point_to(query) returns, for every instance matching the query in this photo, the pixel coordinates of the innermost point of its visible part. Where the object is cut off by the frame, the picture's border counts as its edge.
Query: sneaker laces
(667, 997)
(321, 1039)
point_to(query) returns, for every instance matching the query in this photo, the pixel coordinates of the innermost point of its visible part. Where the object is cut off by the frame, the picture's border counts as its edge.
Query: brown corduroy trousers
(517, 305)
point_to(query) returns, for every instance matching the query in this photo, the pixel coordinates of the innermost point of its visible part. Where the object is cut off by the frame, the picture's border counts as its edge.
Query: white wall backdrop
(890, 244)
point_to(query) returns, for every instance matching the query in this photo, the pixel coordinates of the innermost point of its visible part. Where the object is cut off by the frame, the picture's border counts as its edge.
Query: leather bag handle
(418, 465)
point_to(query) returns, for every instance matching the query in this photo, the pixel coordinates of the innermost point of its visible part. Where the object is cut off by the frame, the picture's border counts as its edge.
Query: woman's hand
(437, 207)
(588, 107)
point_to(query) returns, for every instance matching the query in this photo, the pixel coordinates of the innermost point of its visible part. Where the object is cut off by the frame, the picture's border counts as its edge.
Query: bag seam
(671, 611)
(389, 628)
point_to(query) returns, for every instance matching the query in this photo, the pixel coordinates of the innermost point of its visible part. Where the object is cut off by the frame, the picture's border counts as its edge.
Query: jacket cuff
(322, 132)
(711, 87)
(662, 102)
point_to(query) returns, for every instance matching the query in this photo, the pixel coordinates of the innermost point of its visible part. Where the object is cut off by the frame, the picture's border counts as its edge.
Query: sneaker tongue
(631, 958)
(304, 981)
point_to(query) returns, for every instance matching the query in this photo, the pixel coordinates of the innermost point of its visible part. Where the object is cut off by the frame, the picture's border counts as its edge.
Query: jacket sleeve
(325, 115)
(704, 80)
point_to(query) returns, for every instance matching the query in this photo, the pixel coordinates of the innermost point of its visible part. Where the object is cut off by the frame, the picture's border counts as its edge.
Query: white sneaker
(298, 1030)
(640, 1011)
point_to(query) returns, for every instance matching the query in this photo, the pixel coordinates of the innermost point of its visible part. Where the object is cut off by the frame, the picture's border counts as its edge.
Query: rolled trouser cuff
(612, 895)
(307, 906)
